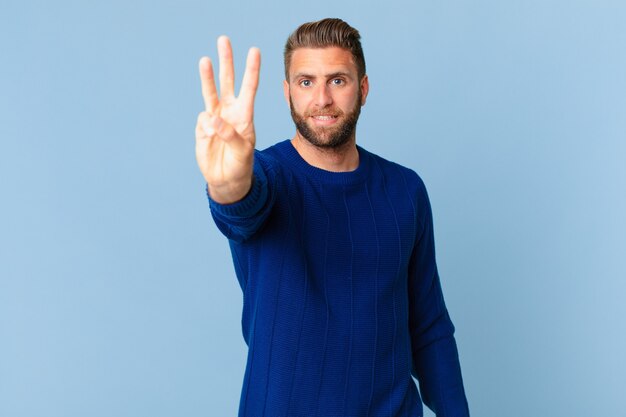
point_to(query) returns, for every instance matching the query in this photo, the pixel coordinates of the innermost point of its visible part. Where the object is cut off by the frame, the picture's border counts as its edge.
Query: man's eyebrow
(338, 74)
(303, 75)
(328, 76)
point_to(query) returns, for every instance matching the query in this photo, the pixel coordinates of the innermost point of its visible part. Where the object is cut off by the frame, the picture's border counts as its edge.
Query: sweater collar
(292, 157)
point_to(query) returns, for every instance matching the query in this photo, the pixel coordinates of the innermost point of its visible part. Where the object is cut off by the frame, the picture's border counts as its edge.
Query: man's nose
(323, 96)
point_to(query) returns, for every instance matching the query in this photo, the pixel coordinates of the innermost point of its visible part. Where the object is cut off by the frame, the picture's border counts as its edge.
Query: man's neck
(342, 159)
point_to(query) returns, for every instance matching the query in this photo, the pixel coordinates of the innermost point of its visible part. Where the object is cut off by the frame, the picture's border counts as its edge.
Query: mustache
(327, 111)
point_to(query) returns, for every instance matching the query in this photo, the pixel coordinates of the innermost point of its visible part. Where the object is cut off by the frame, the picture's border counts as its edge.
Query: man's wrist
(231, 193)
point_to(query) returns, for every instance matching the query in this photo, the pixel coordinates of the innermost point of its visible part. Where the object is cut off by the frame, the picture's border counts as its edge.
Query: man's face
(325, 95)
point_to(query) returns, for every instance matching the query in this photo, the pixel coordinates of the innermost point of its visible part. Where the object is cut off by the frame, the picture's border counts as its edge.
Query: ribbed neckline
(292, 156)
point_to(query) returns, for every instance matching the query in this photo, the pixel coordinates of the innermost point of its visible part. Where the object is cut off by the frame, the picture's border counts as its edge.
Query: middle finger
(227, 70)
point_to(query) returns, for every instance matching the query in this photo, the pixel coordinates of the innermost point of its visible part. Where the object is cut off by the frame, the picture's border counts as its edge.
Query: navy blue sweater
(342, 302)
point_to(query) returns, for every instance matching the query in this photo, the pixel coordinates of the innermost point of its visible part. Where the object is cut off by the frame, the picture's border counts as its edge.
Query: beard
(331, 137)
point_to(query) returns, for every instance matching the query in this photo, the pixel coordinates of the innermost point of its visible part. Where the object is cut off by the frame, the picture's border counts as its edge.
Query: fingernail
(208, 129)
(217, 123)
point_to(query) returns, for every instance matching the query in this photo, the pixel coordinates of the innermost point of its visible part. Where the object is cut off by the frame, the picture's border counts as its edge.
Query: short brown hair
(326, 33)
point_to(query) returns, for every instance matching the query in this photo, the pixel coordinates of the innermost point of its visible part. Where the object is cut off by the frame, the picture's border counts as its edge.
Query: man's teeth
(324, 117)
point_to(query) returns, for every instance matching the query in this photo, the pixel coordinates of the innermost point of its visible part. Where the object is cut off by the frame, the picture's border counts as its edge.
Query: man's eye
(305, 83)
(337, 81)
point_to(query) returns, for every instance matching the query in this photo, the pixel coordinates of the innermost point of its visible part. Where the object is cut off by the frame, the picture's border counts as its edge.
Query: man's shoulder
(394, 170)
(401, 180)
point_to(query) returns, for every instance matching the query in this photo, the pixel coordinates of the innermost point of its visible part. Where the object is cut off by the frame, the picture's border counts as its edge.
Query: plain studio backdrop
(117, 292)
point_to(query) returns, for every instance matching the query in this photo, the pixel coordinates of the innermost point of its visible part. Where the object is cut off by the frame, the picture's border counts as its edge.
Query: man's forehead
(328, 59)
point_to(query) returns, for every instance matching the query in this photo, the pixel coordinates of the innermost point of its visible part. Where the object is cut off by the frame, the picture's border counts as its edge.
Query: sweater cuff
(251, 204)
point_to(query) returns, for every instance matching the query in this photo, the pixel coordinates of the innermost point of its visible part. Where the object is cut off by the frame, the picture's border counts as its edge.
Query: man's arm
(225, 136)
(240, 220)
(435, 356)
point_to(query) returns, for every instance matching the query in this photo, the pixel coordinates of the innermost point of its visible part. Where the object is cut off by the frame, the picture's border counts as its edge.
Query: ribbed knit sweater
(342, 301)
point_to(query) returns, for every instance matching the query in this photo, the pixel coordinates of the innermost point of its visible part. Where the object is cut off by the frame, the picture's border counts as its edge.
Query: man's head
(325, 83)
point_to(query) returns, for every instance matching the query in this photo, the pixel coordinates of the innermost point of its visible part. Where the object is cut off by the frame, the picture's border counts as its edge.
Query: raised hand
(225, 130)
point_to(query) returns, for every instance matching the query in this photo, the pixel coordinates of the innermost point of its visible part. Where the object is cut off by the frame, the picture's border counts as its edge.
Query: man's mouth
(324, 120)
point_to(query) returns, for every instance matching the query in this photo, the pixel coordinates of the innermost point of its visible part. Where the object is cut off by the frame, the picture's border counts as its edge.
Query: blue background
(117, 293)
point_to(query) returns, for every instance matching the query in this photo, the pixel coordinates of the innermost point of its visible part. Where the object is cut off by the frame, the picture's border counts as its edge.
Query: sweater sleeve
(435, 356)
(239, 221)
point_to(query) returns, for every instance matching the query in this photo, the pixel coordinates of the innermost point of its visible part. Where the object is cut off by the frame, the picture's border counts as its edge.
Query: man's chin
(323, 137)
(326, 140)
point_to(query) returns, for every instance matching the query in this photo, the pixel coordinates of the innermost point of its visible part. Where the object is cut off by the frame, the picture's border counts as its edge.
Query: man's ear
(286, 90)
(365, 89)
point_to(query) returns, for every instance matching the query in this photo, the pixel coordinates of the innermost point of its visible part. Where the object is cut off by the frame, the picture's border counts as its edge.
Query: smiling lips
(324, 119)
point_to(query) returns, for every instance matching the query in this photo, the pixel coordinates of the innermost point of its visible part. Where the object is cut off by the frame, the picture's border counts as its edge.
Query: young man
(332, 245)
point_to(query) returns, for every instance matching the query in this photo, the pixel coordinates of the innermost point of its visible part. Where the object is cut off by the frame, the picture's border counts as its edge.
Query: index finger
(209, 93)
